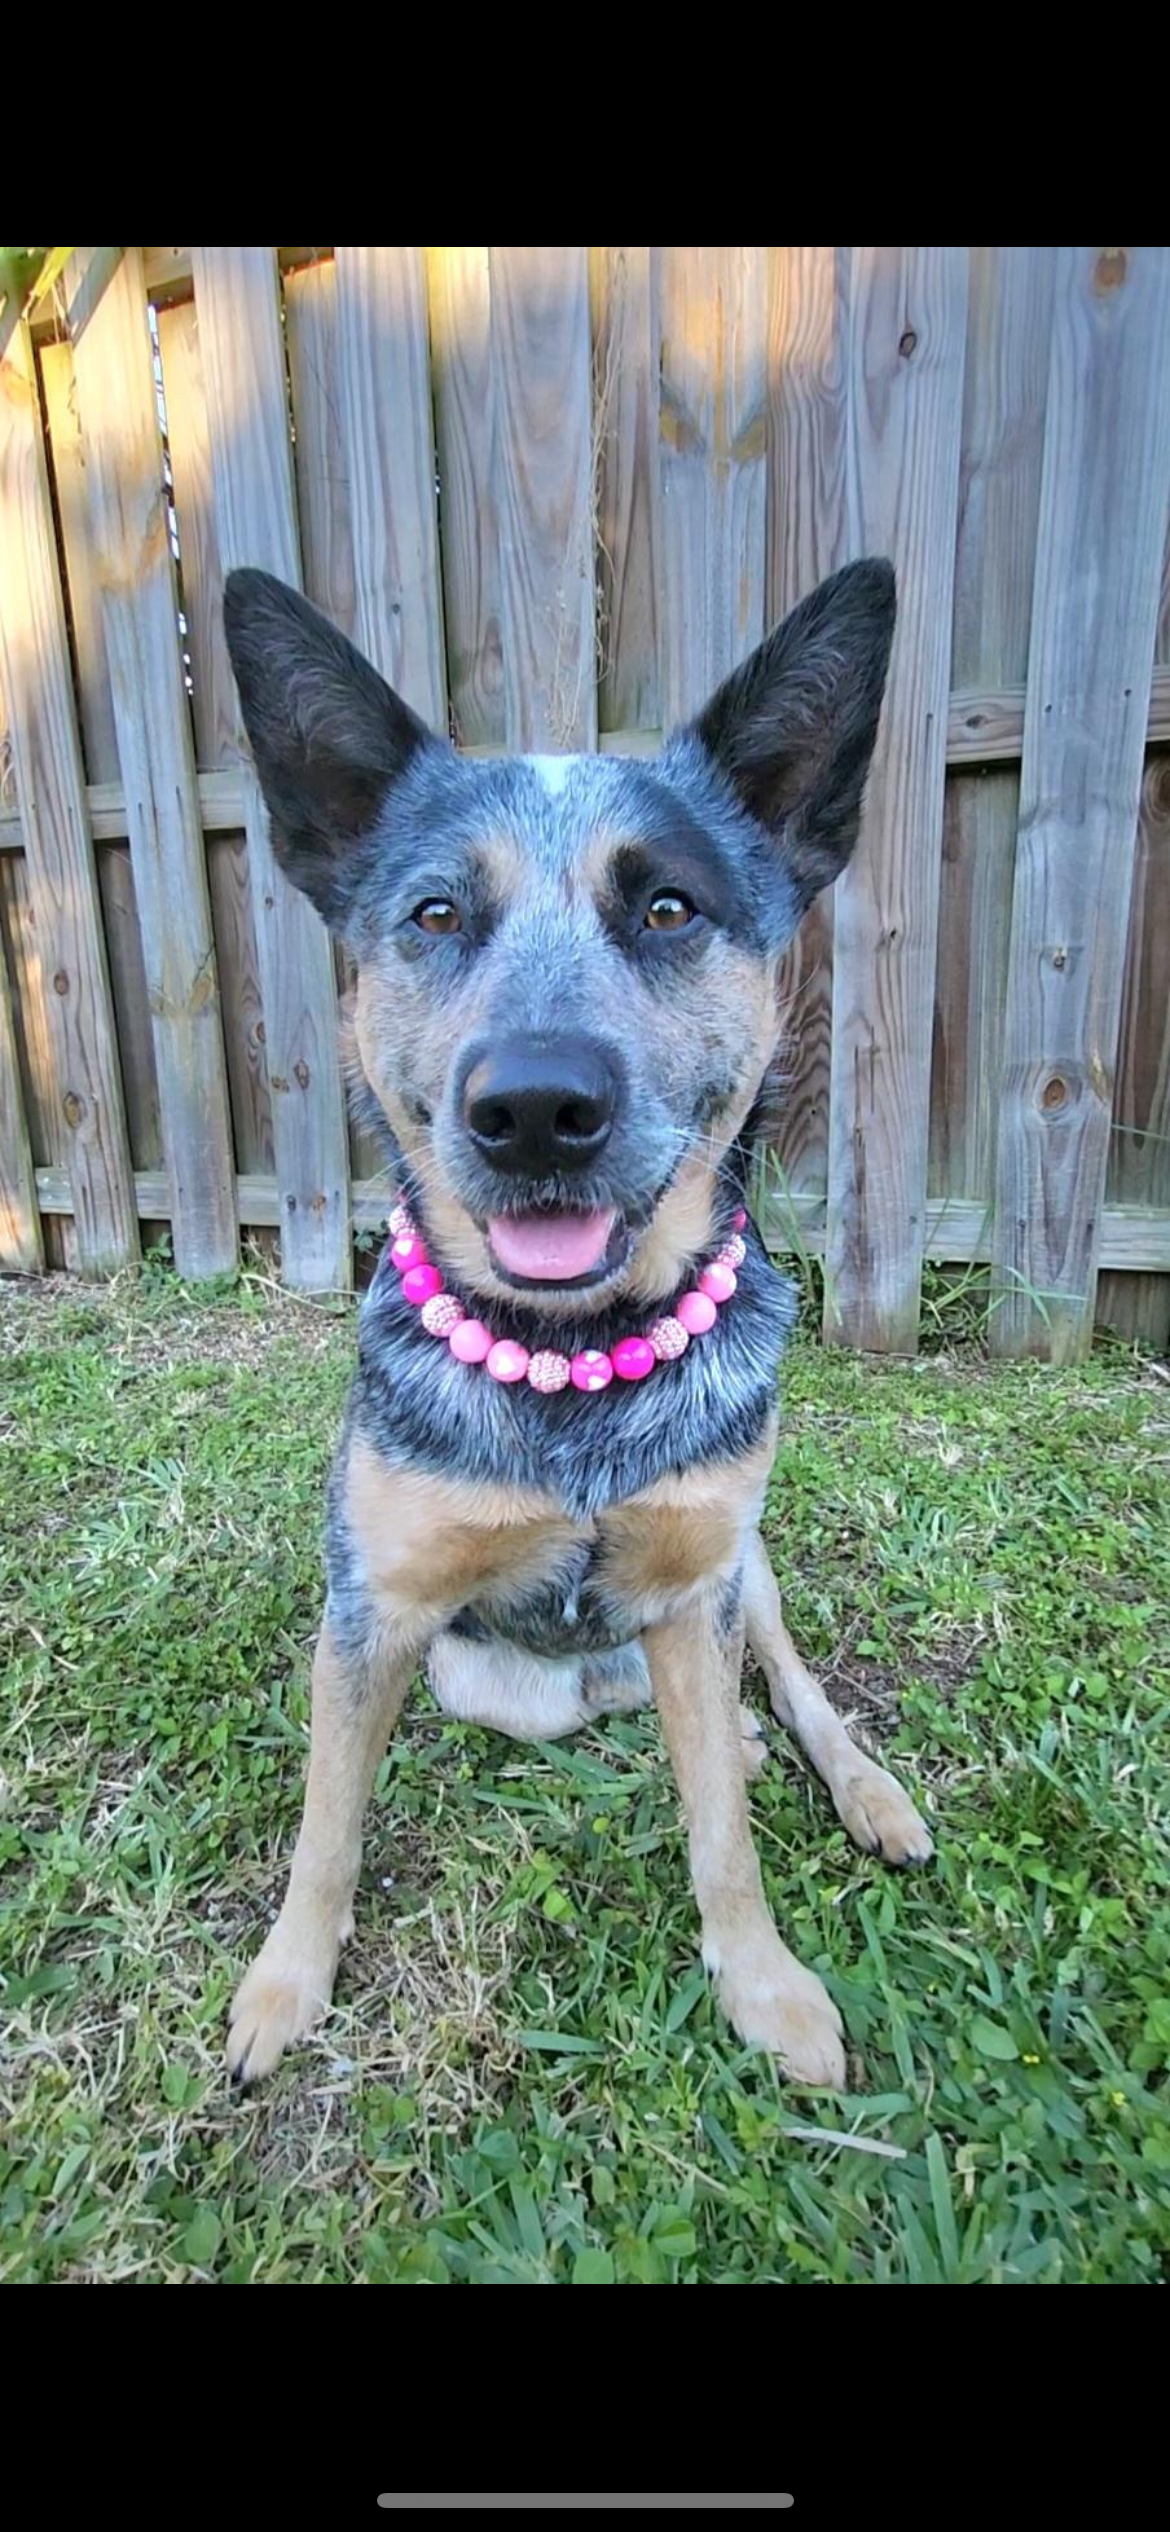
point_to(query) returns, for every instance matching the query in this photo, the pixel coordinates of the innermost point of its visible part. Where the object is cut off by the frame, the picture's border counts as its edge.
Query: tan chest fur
(432, 1545)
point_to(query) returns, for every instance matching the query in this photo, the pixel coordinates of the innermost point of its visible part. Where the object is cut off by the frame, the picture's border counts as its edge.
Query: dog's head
(566, 995)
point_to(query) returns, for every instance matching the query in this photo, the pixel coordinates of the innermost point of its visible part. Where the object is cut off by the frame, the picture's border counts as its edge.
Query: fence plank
(1139, 1305)
(543, 470)
(1139, 1158)
(100, 748)
(114, 369)
(320, 461)
(323, 499)
(21, 1250)
(388, 436)
(808, 536)
(213, 704)
(243, 363)
(50, 786)
(1103, 507)
(459, 290)
(712, 424)
(1008, 327)
(625, 425)
(907, 328)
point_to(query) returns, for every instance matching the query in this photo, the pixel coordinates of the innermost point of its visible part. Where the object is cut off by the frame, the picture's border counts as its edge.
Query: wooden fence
(555, 492)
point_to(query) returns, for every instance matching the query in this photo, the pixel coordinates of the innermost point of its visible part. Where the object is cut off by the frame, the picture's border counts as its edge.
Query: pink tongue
(553, 1248)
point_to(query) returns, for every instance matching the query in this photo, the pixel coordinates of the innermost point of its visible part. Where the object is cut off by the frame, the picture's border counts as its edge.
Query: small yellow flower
(1118, 2100)
(1029, 2060)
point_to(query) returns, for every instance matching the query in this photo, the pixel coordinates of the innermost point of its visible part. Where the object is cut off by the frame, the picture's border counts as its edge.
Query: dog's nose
(535, 1106)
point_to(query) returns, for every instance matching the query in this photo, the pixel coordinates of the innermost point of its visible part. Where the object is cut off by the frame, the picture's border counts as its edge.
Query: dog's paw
(753, 1743)
(880, 1818)
(284, 1993)
(775, 2004)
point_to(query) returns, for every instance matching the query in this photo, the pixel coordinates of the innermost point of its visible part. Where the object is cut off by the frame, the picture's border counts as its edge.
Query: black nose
(541, 1104)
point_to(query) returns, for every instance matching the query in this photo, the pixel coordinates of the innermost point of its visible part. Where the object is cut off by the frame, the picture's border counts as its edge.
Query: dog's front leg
(356, 1703)
(767, 1996)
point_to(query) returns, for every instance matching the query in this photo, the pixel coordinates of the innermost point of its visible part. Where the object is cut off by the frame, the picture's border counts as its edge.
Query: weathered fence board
(543, 470)
(625, 424)
(1139, 1160)
(100, 749)
(712, 425)
(50, 789)
(460, 291)
(907, 332)
(388, 437)
(808, 537)
(114, 376)
(1103, 508)
(243, 365)
(214, 711)
(1001, 454)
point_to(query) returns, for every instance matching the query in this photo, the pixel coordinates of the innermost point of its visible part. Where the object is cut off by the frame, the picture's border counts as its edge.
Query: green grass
(525, 2078)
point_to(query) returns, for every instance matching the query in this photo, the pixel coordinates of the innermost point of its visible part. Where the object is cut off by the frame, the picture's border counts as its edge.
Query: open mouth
(565, 1249)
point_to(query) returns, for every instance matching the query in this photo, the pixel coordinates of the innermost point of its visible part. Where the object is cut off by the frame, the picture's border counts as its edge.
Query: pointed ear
(793, 730)
(328, 736)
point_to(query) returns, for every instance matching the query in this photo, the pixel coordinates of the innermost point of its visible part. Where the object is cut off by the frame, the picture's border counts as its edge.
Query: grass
(525, 2078)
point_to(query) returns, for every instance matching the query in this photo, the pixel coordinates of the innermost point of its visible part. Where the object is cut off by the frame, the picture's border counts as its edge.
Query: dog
(564, 1017)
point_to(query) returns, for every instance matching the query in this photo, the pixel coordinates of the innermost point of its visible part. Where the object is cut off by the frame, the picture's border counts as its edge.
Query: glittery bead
(419, 1283)
(471, 1342)
(442, 1314)
(548, 1372)
(632, 1357)
(507, 1361)
(401, 1219)
(738, 1219)
(734, 1253)
(668, 1338)
(408, 1250)
(591, 1370)
(718, 1282)
(697, 1312)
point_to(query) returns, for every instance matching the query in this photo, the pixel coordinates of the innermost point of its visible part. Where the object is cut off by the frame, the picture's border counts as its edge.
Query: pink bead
(591, 1370)
(471, 1342)
(441, 1315)
(420, 1283)
(718, 1282)
(633, 1357)
(548, 1372)
(738, 1218)
(697, 1312)
(669, 1339)
(408, 1250)
(733, 1255)
(401, 1219)
(507, 1361)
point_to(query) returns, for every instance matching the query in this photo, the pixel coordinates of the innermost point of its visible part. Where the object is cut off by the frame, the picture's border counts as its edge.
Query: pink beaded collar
(630, 1359)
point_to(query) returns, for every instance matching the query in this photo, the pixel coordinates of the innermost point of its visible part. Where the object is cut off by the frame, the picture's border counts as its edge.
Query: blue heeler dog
(565, 1012)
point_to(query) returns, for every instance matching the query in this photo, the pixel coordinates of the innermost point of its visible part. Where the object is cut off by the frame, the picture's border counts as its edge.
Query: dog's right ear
(328, 735)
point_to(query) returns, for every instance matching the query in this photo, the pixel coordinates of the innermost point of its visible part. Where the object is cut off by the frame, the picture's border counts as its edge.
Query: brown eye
(437, 914)
(668, 912)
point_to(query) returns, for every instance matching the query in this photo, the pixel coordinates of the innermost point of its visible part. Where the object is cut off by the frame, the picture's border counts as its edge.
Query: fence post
(1103, 506)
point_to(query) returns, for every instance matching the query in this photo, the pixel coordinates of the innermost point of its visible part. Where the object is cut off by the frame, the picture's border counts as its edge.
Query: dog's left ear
(793, 730)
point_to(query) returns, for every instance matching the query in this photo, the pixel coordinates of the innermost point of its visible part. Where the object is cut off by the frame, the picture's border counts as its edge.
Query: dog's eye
(668, 911)
(437, 914)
